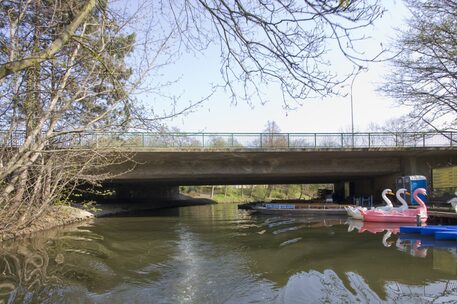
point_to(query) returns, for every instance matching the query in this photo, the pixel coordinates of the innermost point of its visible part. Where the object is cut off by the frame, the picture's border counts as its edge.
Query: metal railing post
(342, 140)
(203, 140)
(288, 140)
(423, 140)
(315, 140)
(369, 140)
(261, 145)
(232, 141)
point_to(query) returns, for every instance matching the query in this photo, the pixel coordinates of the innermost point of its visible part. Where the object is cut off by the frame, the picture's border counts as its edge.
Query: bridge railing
(244, 140)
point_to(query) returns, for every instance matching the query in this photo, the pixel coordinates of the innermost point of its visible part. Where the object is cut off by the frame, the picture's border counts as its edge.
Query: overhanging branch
(16, 66)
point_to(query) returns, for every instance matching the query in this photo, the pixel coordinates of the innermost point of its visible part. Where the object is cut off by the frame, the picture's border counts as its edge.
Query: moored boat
(292, 209)
(355, 213)
(399, 216)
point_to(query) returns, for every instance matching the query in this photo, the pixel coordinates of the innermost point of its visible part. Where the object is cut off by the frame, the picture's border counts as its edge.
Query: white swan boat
(355, 213)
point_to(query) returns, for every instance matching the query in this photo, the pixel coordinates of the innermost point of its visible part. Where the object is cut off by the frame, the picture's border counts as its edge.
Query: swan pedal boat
(355, 213)
(398, 216)
(408, 216)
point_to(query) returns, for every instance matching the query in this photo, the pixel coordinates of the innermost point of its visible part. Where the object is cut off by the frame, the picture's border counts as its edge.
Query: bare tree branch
(21, 64)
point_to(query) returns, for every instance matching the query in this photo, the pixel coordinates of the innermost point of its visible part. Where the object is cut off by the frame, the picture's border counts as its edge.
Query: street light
(352, 104)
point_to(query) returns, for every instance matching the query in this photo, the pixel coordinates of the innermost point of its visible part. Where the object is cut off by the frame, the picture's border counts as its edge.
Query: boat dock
(442, 216)
(295, 208)
(435, 215)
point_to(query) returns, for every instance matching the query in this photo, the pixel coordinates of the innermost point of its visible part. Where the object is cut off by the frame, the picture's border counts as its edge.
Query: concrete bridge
(357, 164)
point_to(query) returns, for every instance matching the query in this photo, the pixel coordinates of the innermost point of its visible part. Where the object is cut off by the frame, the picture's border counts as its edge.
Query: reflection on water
(23, 269)
(217, 254)
(328, 287)
(414, 244)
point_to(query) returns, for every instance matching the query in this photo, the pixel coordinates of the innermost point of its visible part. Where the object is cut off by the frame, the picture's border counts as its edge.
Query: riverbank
(55, 217)
(65, 215)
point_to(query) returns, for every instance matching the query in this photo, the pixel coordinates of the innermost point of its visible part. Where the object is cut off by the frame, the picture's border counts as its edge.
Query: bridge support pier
(374, 186)
(363, 187)
(341, 191)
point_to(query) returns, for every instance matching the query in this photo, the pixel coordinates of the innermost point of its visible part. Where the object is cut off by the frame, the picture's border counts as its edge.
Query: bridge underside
(368, 170)
(198, 168)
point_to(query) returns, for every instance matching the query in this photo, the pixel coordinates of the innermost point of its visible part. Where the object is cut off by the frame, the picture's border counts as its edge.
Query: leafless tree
(272, 137)
(268, 42)
(424, 74)
(400, 131)
(63, 72)
(68, 67)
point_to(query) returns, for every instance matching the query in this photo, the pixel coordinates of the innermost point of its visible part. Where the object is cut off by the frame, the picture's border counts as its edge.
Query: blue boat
(419, 229)
(438, 232)
(410, 229)
(446, 235)
(433, 230)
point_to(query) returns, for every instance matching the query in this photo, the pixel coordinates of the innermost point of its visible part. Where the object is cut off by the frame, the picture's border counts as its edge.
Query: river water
(218, 254)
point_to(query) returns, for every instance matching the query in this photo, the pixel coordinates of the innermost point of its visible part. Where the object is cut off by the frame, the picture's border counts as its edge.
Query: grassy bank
(250, 193)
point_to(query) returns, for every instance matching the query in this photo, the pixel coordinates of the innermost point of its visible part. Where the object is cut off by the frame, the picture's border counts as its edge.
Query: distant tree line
(247, 193)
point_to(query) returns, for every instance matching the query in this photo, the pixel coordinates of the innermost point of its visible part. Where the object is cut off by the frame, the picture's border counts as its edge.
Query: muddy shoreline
(55, 217)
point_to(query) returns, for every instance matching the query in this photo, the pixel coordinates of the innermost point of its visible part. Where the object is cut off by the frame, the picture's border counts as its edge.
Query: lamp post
(352, 104)
(352, 111)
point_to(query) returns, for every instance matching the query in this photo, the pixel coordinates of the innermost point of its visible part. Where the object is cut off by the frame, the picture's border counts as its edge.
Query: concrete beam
(196, 168)
(369, 171)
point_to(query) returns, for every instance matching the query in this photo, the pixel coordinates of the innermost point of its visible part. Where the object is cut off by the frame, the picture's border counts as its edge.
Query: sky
(331, 114)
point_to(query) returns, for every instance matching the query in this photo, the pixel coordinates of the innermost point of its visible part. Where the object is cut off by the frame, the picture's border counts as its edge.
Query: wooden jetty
(442, 216)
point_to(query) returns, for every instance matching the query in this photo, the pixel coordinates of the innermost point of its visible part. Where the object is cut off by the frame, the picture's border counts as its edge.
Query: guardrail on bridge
(243, 140)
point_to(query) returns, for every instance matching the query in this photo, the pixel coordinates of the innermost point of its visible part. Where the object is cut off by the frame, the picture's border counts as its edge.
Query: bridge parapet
(242, 141)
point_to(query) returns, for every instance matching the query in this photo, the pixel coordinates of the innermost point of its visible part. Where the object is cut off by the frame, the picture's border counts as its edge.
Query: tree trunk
(268, 192)
(252, 190)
